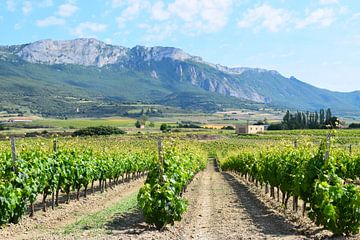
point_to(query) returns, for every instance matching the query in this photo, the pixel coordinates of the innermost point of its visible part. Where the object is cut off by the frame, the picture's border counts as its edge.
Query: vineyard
(176, 185)
(322, 179)
(35, 170)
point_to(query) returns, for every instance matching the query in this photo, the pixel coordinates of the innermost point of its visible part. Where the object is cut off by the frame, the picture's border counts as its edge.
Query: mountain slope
(104, 74)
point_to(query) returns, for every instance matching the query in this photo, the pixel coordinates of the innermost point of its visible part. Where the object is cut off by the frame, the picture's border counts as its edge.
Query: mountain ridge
(160, 74)
(158, 53)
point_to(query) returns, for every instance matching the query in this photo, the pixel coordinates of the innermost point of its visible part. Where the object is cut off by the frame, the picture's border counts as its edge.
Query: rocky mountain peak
(159, 53)
(92, 52)
(82, 51)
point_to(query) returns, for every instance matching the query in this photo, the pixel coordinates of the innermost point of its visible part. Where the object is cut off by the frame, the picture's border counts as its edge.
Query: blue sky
(317, 41)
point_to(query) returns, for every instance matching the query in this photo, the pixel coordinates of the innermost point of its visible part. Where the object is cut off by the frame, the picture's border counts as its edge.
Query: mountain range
(55, 78)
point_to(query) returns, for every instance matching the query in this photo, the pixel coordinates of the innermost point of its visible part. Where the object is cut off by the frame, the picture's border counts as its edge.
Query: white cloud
(158, 32)
(265, 16)
(186, 10)
(204, 15)
(322, 17)
(344, 10)
(86, 29)
(191, 16)
(50, 21)
(355, 17)
(67, 9)
(353, 22)
(325, 2)
(27, 7)
(158, 11)
(11, 5)
(46, 3)
(132, 10)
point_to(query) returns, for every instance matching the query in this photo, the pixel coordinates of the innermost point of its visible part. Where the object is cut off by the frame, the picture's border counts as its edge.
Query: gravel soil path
(220, 207)
(223, 208)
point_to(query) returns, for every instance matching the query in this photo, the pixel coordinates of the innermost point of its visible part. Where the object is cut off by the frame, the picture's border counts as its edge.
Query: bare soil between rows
(224, 208)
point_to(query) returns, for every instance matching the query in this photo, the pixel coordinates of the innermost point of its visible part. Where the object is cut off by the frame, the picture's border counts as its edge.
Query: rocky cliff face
(87, 52)
(91, 52)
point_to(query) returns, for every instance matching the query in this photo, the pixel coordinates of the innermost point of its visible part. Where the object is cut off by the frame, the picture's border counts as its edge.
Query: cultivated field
(209, 185)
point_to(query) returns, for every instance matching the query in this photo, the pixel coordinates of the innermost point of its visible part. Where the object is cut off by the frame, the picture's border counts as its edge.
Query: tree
(334, 122)
(308, 120)
(303, 118)
(266, 122)
(316, 119)
(287, 116)
(298, 120)
(164, 127)
(311, 120)
(354, 125)
(328, 115)
(322, 116)
(100, 130)
(259, 122)
(151, 124)
(143, 118)
(137, 124)
(286, 120)
(275, 126)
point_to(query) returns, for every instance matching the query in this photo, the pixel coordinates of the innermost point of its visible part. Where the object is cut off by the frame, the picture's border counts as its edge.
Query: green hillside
(60, 90)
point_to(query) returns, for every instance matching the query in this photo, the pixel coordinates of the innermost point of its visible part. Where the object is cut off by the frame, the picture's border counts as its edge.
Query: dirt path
(44, 224)
(222, 208)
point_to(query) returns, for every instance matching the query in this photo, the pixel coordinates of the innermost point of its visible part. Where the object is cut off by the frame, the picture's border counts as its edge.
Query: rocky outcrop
(87, 52)
(91, 52)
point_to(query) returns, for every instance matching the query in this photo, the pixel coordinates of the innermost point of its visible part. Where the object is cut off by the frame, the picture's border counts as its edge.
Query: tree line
(307, 120)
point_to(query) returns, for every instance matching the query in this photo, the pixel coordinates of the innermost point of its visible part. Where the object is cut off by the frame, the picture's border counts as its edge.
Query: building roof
(249, 125)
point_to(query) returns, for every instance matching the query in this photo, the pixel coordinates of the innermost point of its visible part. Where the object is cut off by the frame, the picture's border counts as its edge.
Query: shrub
(189, 125)
(354, 125)
(137, 124)
(32, 134)
(275, 126)
(228, 128)
(164, 127)
(101, 130)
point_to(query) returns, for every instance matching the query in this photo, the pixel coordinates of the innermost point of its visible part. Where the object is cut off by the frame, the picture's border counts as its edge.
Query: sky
(316, 41)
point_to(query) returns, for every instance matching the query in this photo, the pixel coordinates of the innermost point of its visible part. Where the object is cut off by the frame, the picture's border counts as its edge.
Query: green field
(84, 122)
